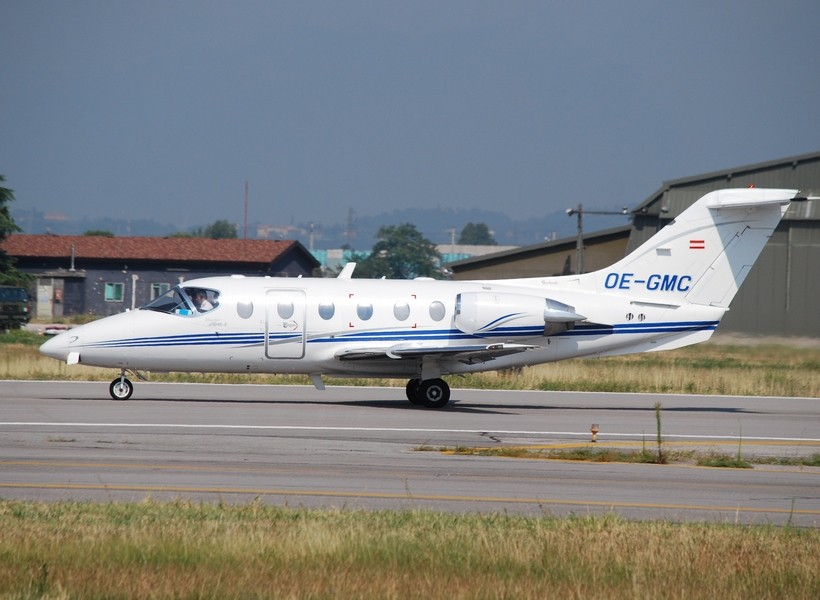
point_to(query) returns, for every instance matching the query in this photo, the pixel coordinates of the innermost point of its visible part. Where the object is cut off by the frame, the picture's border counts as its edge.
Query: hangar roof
(795, 172)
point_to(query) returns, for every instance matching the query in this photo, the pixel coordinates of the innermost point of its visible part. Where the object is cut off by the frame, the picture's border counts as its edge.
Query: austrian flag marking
(697, 244)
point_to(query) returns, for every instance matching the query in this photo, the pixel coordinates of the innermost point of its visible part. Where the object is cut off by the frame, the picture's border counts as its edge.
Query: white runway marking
(585, 434)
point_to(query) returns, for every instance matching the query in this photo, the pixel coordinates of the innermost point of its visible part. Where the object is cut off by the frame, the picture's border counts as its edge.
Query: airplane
(670, 292)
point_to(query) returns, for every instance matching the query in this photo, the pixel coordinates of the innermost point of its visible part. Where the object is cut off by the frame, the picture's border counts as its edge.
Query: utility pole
(246, 209)
(350, 230)
(579, 240)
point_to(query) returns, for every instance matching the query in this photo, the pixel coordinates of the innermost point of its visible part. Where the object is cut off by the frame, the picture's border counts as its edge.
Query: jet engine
(478, 313)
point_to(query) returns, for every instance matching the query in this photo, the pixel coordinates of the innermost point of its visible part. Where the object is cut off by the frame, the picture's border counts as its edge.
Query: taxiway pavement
(367, 447)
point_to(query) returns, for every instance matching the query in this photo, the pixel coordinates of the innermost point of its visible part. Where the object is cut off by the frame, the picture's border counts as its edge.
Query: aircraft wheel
(412, 391)
(121, 389)
(434, 393)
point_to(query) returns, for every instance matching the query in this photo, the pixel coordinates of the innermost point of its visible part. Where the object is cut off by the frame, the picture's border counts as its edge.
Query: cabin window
(285, 309)
(437, 310)
(327, 310)
(114, 292)
(364, 310)
(244, 309)
(401, 310)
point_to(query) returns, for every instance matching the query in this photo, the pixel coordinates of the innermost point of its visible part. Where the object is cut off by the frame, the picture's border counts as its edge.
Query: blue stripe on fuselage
(442, 335)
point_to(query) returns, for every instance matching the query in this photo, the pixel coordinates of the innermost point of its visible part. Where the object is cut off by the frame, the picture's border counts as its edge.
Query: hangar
(780, 295)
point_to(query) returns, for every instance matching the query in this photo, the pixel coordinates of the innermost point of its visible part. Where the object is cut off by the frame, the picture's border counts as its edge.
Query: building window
(158, 289)
(114, 292)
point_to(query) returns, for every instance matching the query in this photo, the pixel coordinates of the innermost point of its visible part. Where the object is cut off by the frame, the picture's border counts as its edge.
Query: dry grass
(768, 370)
(711, 368)
(185, 550)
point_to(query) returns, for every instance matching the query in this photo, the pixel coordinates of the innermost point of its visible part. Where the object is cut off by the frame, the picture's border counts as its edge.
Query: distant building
(334, 259)
(455, 252)
(556, 257)
(780, 294)
(105, 275)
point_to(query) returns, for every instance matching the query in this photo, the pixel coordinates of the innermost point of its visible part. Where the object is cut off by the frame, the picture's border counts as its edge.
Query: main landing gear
(430, 393)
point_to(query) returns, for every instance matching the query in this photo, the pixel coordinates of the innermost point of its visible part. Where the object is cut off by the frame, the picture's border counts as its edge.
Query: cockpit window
(171, 301)
(187, 301)
(203, 300)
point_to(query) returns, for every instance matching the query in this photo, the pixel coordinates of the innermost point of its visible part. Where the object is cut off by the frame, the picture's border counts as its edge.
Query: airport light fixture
(579, 242)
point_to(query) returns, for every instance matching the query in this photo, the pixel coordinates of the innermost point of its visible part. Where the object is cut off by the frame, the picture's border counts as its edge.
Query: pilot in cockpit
(200, 300)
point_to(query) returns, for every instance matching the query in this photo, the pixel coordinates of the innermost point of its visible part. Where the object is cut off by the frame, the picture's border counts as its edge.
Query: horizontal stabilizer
(803, 196)
(739, 199)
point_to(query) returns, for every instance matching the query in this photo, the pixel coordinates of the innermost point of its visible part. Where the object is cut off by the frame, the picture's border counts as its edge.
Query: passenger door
(285, 325)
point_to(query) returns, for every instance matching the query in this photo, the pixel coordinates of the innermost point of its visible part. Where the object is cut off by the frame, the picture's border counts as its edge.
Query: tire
(434, 393)
(412, 391)
(121, 389)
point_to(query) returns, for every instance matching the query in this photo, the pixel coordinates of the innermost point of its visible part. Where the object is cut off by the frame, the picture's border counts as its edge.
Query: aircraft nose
(58, 346)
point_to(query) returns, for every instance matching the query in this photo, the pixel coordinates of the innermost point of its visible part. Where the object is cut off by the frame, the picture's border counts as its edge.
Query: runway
(368, 448)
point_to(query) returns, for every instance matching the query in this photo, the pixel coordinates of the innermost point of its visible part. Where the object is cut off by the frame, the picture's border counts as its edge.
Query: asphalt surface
(369, 448)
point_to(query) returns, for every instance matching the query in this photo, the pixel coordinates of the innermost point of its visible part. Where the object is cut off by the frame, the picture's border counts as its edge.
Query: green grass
(21, 336)
(186, 550)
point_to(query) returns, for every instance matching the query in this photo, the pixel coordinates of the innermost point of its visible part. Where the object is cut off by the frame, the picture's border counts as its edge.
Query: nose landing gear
(121, 388)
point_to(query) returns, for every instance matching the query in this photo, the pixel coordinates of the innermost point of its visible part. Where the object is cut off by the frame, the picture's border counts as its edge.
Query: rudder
(702, 256)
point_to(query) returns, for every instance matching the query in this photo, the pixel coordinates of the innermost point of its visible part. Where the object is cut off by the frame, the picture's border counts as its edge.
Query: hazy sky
(163, 109)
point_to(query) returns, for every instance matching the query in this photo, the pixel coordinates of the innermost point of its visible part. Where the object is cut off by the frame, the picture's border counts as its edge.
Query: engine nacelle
(517, 314)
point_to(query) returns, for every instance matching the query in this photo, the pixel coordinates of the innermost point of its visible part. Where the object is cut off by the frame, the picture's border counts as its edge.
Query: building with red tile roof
(105, 275)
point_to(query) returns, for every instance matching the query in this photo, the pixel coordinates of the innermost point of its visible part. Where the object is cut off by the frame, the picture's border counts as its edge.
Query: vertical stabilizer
(703, 256)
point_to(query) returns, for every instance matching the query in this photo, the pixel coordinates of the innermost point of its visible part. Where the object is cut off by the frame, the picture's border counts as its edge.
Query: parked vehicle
(15, 310)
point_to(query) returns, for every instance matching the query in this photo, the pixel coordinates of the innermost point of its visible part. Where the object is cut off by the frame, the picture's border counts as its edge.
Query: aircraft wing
(470, 354)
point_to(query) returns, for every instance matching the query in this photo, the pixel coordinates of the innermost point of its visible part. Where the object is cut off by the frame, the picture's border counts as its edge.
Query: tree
(9, 275)
(401, 252)
(476, 234)
(218, 230)
(98, 233)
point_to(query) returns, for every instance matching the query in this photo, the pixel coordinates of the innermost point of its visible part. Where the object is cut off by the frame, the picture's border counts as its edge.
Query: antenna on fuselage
(347, 271)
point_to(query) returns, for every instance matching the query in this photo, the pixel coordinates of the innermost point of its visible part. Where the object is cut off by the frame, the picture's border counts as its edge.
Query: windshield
(185, 301)
(12, 294)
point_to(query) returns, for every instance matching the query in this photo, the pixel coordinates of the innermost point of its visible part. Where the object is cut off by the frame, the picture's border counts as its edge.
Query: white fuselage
(280, 325)
(670, 292)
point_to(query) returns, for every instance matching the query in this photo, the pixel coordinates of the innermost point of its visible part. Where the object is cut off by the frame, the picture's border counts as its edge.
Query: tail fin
(703, 256)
